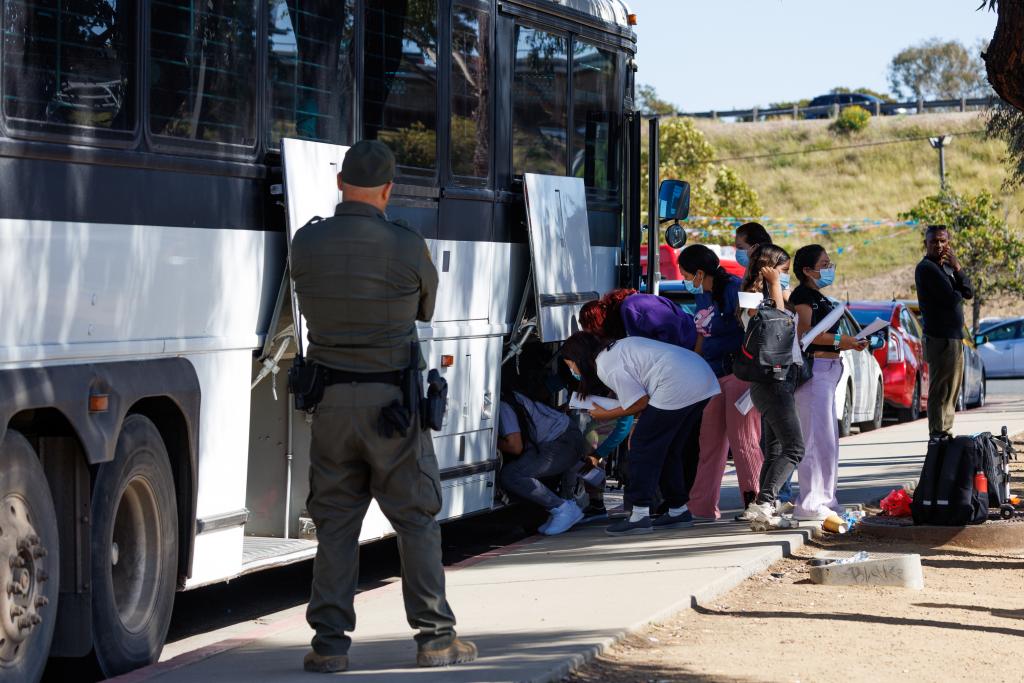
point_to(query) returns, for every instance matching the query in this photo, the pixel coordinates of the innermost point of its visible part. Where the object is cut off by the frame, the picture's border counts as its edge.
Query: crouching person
(540, 443)
(667, 387)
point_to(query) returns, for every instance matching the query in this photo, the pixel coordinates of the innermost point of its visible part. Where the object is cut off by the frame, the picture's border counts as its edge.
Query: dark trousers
(783, 439)
(656, 455)
(945, 375)
(557, 458)
(350, 463)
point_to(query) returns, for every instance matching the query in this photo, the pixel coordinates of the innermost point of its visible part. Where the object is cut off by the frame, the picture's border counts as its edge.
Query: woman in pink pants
(723, 427)
(818, 472)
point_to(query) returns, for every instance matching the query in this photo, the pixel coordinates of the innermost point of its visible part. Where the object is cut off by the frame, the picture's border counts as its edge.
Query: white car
(859, 394)
(1001, 347)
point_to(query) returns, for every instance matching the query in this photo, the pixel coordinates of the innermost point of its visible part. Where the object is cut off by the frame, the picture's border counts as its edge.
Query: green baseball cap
(368, 163)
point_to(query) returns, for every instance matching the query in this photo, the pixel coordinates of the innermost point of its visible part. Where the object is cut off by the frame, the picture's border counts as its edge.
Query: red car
(904, 371)
(668, 261)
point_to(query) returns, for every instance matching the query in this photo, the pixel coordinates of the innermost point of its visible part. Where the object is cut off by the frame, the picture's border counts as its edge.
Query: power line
(838, 148)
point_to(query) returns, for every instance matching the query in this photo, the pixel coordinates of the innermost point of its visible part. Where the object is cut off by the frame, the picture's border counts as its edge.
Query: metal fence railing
(832, 110)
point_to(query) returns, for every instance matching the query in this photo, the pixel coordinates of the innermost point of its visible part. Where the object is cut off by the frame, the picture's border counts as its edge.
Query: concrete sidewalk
(541, 607)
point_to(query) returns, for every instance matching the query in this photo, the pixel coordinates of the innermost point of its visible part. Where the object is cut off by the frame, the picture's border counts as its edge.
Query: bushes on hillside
(851, 120)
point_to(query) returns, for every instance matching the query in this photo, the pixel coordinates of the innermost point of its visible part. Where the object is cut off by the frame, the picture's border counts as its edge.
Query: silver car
(1001, 346)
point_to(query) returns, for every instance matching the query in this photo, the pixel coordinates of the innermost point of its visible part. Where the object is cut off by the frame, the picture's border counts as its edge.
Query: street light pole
(940, 144)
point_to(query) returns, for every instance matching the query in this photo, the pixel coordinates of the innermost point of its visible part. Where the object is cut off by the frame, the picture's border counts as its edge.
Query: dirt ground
(967, 624)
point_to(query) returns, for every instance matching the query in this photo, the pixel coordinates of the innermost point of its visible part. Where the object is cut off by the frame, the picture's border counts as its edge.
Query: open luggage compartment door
(310, 172)
(563, 271)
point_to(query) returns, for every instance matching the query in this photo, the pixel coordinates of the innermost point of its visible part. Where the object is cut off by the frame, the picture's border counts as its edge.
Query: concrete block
(901, 571)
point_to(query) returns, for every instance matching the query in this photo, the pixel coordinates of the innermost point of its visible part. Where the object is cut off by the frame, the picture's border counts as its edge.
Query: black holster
(306, 383)
(436, 403)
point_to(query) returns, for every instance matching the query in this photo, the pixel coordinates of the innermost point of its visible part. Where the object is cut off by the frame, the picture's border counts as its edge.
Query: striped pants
(724, 428)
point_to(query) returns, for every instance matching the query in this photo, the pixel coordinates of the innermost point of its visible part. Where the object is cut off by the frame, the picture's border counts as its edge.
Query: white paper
(828, 321)
(872, 327)
(744, 403)
(591, 402)
(750, 299)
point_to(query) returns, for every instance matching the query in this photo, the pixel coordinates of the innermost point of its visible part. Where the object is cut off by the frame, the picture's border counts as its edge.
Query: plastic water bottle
(857, 557)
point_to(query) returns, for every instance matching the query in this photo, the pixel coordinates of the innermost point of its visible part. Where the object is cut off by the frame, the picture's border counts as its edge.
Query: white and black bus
(143, 268)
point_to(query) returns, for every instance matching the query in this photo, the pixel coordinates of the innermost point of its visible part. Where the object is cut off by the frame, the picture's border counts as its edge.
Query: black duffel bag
(949, 492)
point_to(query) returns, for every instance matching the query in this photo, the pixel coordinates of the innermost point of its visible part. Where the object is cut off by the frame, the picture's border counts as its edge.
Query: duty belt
(332, 376)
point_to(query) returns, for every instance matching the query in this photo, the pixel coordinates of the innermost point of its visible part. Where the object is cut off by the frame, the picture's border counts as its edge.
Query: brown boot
(320, 664)
(459, 652)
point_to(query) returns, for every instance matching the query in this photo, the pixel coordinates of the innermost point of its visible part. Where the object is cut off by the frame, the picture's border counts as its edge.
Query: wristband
(836, 340)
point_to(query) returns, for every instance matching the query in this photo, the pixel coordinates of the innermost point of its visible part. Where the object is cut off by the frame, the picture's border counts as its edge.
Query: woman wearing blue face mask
(815, 399)
(723, 427)
(748, 236)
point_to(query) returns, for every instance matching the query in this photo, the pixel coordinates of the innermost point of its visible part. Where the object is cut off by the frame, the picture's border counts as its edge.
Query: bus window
(596, 107)
(202, 62)
(311, 55)
(539, 102)
(400, 81)
(470, 83)
(69, 65)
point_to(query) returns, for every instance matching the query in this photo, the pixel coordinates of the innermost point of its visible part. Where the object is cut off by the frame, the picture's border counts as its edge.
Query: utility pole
(940, 143)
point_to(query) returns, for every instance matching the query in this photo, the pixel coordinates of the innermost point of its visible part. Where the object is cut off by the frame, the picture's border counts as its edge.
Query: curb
(731, 578)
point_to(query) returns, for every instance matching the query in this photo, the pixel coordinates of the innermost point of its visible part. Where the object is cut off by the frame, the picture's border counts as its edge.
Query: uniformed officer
(362, 282)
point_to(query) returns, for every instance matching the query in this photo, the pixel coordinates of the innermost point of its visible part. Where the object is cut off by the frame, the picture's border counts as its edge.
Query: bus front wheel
(134, 550)
(29, 562)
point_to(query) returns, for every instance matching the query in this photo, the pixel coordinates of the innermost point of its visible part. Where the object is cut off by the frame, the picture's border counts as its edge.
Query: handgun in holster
(396, 417)
(306, 384)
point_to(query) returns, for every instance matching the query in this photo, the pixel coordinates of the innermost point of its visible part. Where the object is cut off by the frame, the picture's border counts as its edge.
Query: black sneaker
(624, 527)
(593, 513)
(667, 521)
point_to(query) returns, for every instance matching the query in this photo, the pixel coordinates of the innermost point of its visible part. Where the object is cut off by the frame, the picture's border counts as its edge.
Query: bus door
(310, 171)
(562, 266)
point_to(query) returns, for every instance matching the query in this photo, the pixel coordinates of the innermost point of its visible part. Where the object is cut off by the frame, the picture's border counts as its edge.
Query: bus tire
(135, 550)
(29, 562)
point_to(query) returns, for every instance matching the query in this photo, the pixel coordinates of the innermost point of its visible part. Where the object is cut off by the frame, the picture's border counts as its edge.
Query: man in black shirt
(942, 287)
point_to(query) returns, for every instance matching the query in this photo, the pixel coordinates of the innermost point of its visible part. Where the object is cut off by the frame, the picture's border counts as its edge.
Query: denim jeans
(783, 439)
(558, 458)
(656, 454)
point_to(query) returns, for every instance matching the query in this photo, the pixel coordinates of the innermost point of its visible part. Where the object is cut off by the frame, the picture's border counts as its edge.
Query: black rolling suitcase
(962, 478)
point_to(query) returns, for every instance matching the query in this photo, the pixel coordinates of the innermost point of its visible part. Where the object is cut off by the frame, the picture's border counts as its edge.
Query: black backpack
(767, 350)
(946, 495)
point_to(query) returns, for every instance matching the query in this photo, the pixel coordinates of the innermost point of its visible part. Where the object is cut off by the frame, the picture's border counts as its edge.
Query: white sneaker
(784, 508)
(819, 516)
(763, 518)
(563, 518)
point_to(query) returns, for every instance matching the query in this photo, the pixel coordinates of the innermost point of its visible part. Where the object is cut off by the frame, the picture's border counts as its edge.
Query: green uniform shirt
(362, 283)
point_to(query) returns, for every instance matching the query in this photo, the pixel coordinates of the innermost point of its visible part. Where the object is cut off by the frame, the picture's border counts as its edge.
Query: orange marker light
(447, 361)
(99, 403)
(632, 19)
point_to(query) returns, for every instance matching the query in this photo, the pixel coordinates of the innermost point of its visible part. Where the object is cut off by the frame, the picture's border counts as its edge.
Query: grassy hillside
(874, 182)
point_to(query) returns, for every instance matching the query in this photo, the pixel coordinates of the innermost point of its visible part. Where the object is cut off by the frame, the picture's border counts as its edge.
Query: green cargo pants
(945, 358)
(349, 463)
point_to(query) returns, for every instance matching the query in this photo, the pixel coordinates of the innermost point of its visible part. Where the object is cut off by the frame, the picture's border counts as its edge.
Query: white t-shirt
(673, 377)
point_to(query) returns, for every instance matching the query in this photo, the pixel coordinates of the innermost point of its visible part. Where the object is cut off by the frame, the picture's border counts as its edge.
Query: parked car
(901, 358)
(860, 393)
(668, 262)
(974, 387)
(843, 100)
(1001, 346)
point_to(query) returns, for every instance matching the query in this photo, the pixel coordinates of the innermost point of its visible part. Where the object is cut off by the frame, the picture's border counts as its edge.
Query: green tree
(649, 102)
(991, 253)
(1007, 123)
(715, 189)
(937, 69)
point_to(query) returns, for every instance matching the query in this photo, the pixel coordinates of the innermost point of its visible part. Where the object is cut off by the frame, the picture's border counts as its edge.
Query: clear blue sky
(726, 54)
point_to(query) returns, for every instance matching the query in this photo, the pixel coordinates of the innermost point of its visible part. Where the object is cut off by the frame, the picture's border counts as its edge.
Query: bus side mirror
(673, 200)
(675, 236)
(980, 339)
